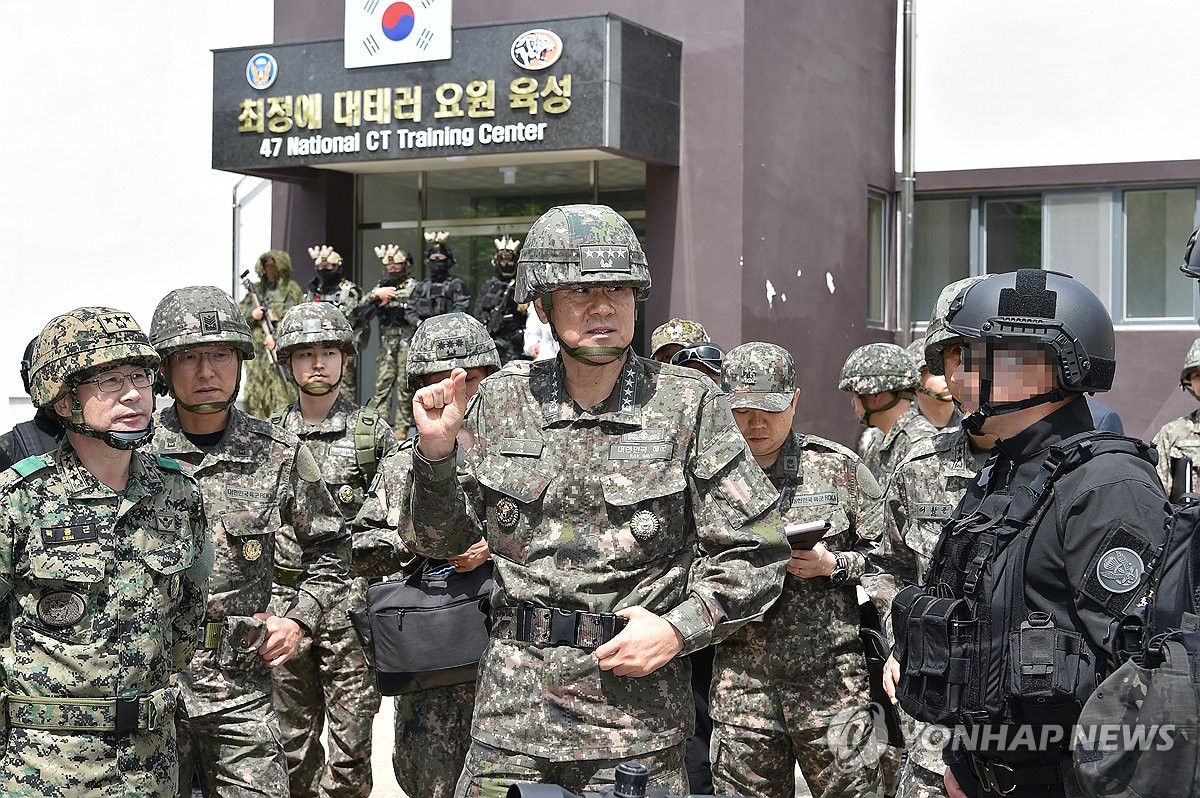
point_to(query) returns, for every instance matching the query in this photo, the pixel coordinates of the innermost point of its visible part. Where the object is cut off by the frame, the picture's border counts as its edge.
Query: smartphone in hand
(806, 535)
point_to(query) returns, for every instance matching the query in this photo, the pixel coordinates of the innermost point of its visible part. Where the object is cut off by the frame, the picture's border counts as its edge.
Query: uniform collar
(623, 406)
(79, 483)
(234, 444)
(1070, 419)
(337, 421)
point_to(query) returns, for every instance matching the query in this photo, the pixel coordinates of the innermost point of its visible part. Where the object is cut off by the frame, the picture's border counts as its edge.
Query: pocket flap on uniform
(247, 522)
(630, 487)
(719, 454)
(512, 478)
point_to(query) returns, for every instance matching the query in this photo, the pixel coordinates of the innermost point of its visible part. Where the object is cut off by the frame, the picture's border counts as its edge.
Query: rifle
(497, 316)
(267, 327)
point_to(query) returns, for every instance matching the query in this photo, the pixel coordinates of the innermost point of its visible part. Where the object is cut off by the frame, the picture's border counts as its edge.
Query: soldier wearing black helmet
(39, 435)
(1046, 553)
(628, 523)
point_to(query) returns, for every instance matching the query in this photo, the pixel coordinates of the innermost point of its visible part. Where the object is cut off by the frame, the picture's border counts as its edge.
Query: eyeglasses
(190, 358)
(114, 381)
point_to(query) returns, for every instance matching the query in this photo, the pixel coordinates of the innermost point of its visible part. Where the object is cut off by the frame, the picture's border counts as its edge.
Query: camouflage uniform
(1181, 437)
(433, 727)
(102, 592)
(910, 429)
(254, 480)
(264, 390)
(329, 670)
(649, 498)
(394, 335)
(783, 688)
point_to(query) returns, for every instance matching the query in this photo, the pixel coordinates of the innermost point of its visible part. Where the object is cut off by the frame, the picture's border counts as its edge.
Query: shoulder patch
(168, 463)
(30, 465)
(306, 465)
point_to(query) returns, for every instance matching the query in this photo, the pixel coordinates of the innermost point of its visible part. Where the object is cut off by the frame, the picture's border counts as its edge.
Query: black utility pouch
(1045, 662)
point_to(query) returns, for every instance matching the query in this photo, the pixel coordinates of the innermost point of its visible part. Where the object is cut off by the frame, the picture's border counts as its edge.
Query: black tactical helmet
(1191, 257)
(1055, 311)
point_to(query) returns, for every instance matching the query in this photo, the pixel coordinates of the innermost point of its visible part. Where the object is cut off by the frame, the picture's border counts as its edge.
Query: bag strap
(365, 450)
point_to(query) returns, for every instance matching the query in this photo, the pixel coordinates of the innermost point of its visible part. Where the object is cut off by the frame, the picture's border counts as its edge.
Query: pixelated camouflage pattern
(551, 258)
(84, 341)
(327, 681)
(257, 478)
(137, 563)
(433, 735)
(237, 751)
(891, 449)
(496, 297)
(198, 315)
(664, 441)
(936, 334)
(264, 390)
(314, 324)
(1176, 439)
(1192, 361)
(791, 674)
(677, 331)
(392, 377)
(450, 341)
(877, 368)
(759, 375)
(916, 349)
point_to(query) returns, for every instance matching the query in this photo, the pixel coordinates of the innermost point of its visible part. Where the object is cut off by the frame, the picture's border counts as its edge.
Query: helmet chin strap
(205, 408)
(897, 397)
(941, 396)
(123, 440)
(583, 353)
(974, 422)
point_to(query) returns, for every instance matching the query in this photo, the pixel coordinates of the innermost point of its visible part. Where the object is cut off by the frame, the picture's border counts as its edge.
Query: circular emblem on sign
(643, 525)
(252, 550)
(536, 49)
(346, 494)
(398, 21)
(175, 586)
(61, 608)
(507, 513)
(261, 71)
(1120, 570)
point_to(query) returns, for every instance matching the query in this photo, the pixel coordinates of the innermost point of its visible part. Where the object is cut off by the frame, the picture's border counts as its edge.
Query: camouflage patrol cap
(575, 246)
(936, 334)
(450, 341)
(83, 342)
(1192, 362)
(314, 324)
(879, 368)
(199, 315)
(677, 331)
(759, 375)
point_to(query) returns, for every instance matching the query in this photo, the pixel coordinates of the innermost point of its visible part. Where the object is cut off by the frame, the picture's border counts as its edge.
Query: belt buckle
(127, 713)
(562, 627)
(986, 771)
(212, 635)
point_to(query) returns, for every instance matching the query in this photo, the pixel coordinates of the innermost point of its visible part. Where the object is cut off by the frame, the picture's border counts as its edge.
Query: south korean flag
(382, 32)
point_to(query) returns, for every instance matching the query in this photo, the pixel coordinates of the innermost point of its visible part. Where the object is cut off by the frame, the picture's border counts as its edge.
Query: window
(876, 258)
(1078, 238)
(1013, 234)
(941, 250)
(1157, 226)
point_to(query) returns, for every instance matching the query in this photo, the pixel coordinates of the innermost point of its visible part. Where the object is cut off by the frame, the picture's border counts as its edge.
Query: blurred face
(594, 316)
(475, 375)
(1018, 372)
(270, 270)
(111, 402)
(203, 374)
(317, 369)
(765, 432)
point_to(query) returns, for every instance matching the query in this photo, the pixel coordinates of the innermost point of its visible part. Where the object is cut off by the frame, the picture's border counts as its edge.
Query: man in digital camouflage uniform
(922, 495)
(328, 676)
(333, 286)
(440, 292)
(933, 398)
(495, 307)
(433, 727)
(1178, 441)
(671, 336)
(388, 301)
(265, 389)
(627, 521)
(39, 434)
(104, 557)
(780, 685)
(255, 477)
(882, 380)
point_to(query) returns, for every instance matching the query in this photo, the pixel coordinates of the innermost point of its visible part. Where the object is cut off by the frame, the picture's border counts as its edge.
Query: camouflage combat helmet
(677, 331)
(76, 345)
(86, 341)
(879, 368)
(200, 315)
(314, 324)
(936, 334)
(575, 246)
(450, 341)
(1192, 362)
(916, 350)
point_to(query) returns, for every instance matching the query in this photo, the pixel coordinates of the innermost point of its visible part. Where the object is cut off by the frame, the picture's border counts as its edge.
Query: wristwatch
(841, 570)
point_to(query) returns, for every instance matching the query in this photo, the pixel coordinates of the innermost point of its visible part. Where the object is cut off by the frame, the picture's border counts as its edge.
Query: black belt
(998, 777)
(552, 626)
